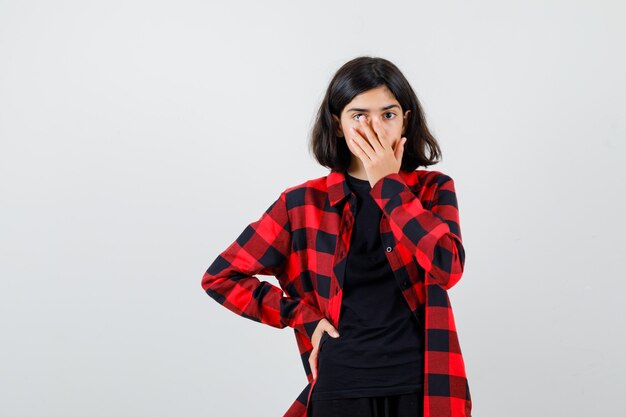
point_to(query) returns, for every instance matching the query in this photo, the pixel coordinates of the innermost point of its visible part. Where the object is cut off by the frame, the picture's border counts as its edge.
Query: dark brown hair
(353, 78)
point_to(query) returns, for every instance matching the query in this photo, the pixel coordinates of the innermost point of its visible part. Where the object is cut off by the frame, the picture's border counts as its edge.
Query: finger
(357, 133)
(314, 366)
(361, 148)
(358, 141)
(381, 133)
(371, 135)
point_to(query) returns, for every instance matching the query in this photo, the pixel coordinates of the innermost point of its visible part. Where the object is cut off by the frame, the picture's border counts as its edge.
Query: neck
(356, 169)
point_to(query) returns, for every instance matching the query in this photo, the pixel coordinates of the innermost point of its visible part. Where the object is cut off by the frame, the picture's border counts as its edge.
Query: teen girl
(364, 257)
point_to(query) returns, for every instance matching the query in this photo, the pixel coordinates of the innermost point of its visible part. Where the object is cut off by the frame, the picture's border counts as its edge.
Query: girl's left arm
(433, 236)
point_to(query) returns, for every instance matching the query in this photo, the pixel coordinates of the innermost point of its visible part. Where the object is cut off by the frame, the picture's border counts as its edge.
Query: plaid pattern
(303, 239)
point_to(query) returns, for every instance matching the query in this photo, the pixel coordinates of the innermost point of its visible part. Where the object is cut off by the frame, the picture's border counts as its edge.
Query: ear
(339, 131)
(405, 120)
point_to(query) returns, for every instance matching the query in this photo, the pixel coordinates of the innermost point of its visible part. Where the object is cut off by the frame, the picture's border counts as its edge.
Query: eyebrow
(367, 110)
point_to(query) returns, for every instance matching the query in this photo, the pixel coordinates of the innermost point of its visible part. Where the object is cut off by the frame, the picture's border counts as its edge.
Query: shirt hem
(366, 392)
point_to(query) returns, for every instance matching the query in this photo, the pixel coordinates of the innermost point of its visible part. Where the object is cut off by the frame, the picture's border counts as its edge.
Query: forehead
(373, 99)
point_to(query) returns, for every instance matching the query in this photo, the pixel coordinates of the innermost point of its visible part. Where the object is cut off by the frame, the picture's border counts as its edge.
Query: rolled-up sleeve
(432, 235)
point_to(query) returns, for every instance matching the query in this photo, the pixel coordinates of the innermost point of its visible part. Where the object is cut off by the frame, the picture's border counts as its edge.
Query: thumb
(332, 331)
(400, 149)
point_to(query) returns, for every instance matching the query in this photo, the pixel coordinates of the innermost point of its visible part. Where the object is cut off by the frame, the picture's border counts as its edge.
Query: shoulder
(311, 189)
(421, 180)
(432, 176)
(314, 183)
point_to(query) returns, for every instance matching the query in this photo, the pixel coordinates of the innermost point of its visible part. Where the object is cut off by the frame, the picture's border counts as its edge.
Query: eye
(355, 117)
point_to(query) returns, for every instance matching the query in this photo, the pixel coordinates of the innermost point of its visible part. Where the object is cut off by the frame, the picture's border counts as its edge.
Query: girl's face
(377, 103)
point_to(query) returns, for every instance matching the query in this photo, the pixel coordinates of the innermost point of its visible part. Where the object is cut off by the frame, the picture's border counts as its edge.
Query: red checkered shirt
(303, 239)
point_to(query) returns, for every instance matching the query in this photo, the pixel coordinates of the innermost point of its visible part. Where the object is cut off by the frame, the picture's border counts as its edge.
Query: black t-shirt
(380, 350)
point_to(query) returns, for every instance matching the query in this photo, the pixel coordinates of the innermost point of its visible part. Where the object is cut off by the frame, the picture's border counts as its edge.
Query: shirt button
(405, 283)
(388, 248)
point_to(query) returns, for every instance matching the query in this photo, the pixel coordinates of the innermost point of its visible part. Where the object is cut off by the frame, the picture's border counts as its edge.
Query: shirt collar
(338, 189)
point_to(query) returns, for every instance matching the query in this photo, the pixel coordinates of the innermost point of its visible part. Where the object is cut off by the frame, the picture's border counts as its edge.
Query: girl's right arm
(263, 247)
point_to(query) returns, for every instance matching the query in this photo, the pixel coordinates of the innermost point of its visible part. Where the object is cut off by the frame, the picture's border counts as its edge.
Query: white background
(138, 138)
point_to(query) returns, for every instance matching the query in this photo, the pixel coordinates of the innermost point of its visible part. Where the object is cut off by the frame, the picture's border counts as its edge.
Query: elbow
(456, 266)
(206, 280)
(213, 286)
(214, 274)
(452, 280)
